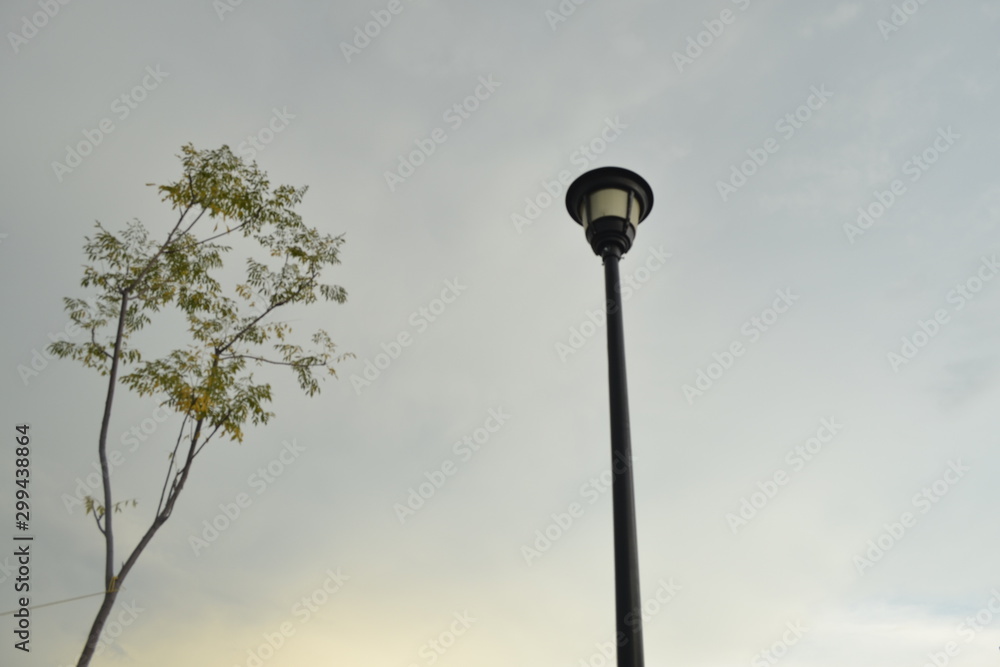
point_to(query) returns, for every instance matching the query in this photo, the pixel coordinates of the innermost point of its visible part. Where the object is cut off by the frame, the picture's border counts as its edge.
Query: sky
(810, 325)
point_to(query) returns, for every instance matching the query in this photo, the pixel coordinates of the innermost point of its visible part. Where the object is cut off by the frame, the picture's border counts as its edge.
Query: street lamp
(610, 202)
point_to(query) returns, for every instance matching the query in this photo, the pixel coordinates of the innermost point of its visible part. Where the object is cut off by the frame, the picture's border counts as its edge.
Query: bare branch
(264, 360)
(251, 325)
(98, 521)
(173, 456)
(195, 222)
(234, 229)
(214, 431)
(183, 472)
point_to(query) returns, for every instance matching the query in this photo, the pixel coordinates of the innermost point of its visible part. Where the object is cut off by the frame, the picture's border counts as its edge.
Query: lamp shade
(609, 203)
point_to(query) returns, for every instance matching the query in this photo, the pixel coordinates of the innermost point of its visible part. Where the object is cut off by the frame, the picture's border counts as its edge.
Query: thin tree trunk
(110, 583)
(110, 596)
(97, 627)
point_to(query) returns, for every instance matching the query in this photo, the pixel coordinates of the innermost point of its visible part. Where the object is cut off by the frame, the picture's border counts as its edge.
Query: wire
(49, 604)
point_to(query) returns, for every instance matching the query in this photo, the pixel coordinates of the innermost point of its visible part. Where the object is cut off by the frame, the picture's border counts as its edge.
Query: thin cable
(49, 604)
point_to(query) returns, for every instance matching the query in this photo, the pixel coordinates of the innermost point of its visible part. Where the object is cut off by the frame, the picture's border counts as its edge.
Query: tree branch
(93, 339)
(278, 304)
(161, 517)
(97, 521)
(173, 456)
(195, 221)
(234, 229)
(252, 324)
(102, 446)
(264, 360)
(183, 472)
(214, 431)
(152, 260)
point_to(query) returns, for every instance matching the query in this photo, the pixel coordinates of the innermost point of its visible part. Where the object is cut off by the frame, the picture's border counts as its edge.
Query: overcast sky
(811, 329)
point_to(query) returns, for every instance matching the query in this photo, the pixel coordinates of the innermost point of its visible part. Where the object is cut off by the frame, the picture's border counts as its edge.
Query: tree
(207, 382)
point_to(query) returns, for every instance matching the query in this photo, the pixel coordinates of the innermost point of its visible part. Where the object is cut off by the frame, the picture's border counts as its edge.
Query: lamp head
(609, 202)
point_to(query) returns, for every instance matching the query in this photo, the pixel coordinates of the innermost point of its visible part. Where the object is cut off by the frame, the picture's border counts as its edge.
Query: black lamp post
(610, 202)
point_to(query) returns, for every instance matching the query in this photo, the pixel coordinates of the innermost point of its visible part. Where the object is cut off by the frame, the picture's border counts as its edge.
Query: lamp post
(610, 202)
